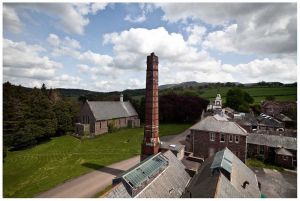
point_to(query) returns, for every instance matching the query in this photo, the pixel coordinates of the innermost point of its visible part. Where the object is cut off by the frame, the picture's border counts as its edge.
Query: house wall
(203, 147)
(284, 161)
(86, 117)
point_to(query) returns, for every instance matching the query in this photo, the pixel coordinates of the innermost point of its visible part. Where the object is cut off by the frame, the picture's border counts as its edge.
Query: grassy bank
(29, 172)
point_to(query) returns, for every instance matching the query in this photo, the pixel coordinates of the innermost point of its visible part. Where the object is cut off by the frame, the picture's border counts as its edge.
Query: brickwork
(150, 143)
(202, 145)
(284, 161)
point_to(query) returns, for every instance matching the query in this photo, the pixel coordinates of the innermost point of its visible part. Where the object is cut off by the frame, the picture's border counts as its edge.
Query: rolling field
(258, 93)
(31, 171)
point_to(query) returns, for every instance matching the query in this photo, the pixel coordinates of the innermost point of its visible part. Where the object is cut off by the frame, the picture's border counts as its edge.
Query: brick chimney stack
(151, 142)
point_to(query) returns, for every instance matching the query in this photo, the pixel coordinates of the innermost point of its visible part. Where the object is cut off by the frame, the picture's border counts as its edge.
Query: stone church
(97, 116)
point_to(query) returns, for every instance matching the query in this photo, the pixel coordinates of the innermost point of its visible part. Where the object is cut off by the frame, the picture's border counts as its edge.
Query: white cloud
(140, 18)
(267, 28)
(72, 18)
(270, 70)
(11, 20)
(24, 60)
(53, 40)
(224, 40)
(196, 34)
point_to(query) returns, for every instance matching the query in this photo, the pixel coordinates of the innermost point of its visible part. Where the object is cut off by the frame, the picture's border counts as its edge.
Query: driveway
(90, 184)
(276, 184)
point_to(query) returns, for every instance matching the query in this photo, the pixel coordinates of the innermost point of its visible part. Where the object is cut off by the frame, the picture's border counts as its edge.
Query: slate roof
(284, 152)
(171, 146)
(103, 110)
(284, 118)
(247, 120)
(214, 184)
(170, 183)
(210, 123)
(273, 141)
(266, 120)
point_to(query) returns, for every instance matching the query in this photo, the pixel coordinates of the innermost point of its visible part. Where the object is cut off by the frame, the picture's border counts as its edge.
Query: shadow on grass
(104, 169)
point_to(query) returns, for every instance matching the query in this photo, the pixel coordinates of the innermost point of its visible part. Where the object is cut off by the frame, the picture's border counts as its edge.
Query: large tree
(238, 100)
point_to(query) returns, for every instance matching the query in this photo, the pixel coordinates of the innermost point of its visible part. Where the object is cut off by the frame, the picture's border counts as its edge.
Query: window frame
(222, 134)
(230, 136)
(212, 136)
(237, 139)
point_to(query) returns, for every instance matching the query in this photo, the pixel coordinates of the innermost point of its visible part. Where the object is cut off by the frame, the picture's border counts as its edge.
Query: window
(237, 139)
(285, 158)
(211, 136)
(230, 138)
(261, 150)
(222, 137)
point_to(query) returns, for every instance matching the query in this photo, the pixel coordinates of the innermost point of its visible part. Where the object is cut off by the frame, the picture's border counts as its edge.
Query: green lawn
(260, 164)
(28, 172)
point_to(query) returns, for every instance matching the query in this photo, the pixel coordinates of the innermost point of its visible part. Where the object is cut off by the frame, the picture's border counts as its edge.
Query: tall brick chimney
(151, 140)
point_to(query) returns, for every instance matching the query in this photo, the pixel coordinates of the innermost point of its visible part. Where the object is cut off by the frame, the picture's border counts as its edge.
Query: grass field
(29, 172)
(258, 93)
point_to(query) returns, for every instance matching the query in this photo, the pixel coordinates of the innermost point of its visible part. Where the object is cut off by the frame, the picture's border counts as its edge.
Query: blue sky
(103, 46)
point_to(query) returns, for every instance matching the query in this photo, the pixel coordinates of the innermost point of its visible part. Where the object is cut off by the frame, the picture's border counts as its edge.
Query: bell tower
(151, 142)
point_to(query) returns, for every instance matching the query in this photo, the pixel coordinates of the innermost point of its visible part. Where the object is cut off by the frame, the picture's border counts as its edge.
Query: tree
(270, 98)
(238, 100)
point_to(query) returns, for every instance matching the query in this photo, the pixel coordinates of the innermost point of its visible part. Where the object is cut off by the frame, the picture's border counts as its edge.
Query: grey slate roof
(170, 183)
(273, 141)
(210, 123)
(206, 184)
(103, 110)
(266, 120)
(284, 152)
(171, 146)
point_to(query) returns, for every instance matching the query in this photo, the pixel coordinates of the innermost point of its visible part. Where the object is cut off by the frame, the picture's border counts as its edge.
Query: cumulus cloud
(72, 18)
(270, 70)
(11, 20)
(23, 60)
(196, 34)
(268, 28)
(144, 9)
(53, 40)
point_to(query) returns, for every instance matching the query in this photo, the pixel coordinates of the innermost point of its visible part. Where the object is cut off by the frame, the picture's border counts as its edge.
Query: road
(276, 184)
(90, 184)
(94, 182)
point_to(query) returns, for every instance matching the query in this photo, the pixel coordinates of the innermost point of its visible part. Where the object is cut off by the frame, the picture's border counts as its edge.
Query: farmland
(258, 93)
(31, 171)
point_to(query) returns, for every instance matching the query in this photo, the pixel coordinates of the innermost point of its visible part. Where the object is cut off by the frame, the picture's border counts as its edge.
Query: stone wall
(203, 147)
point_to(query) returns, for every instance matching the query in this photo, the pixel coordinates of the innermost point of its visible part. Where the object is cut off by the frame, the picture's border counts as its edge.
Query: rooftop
(284, 152)
(170, 182)
(103, 110)
(171, 146)
(273, 141)
(208, 184)
(210, 123)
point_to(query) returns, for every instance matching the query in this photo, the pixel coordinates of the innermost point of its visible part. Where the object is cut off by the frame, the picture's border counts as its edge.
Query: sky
(103, 46)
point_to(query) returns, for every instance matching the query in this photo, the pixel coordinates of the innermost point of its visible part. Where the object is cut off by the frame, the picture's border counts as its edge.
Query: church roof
(103, 110)
(210, 123)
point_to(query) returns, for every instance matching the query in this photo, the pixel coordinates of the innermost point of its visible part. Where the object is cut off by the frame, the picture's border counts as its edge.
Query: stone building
(211, 135)
(278, 149)
(223, 176)
(266, 122)
(97, 116)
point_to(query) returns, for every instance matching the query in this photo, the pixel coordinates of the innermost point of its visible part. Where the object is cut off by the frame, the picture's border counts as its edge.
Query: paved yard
(276, 184)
